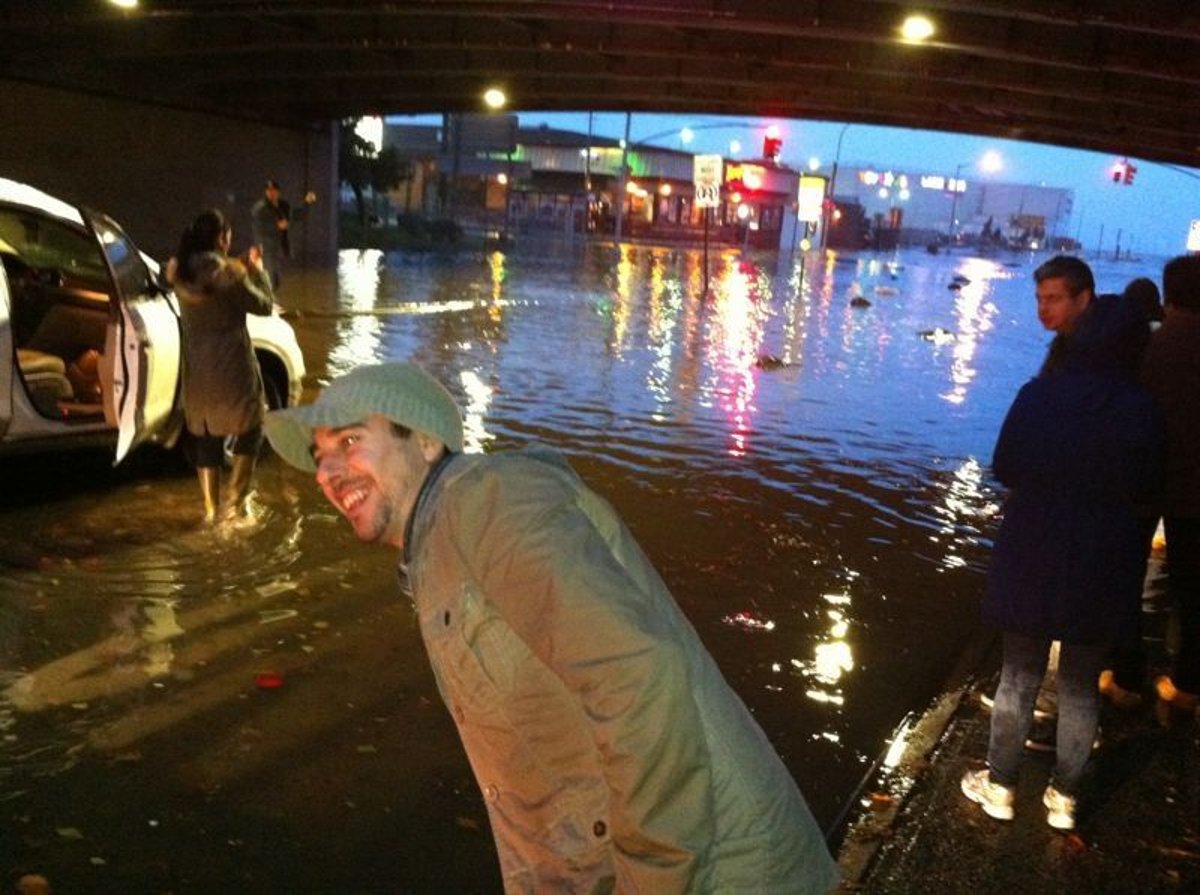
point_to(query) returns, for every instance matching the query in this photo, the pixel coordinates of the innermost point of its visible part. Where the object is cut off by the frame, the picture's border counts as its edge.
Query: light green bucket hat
(402, 392)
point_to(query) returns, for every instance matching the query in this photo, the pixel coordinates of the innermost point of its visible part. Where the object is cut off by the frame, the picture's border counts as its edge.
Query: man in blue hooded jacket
(1079, 449)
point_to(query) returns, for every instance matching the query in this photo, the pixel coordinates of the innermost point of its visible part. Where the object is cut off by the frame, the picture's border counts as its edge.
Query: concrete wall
(154, 168)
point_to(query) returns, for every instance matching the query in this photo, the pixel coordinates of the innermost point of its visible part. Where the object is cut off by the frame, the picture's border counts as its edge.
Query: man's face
(372, 475)
(272, 193)
(1057, 307)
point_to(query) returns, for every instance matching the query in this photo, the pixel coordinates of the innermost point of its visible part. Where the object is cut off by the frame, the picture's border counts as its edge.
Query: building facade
(548, 181)
(903, 207)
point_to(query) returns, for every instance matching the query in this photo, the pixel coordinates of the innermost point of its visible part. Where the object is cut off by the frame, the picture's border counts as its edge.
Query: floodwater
(190, 711)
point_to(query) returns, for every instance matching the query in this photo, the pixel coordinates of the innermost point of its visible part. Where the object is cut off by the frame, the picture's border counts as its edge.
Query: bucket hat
(402, 392)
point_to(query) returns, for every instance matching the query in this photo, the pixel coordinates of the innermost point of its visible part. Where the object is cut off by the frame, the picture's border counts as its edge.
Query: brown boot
(1174, 704)
(241, 478)
(210, 490)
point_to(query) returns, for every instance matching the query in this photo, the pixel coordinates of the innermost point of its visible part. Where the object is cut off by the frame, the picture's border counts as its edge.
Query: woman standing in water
(222, 387)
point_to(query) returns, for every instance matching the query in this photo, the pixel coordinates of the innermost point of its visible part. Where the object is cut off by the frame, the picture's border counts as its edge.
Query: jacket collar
(434, 474)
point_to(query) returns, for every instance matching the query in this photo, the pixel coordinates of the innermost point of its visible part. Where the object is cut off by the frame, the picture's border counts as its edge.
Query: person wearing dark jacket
(1079, 449)
(222, 386)
(1171, 372)
(271, 219)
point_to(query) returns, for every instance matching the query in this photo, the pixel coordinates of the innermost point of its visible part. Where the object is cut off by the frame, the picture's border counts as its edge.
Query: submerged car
(90, 334)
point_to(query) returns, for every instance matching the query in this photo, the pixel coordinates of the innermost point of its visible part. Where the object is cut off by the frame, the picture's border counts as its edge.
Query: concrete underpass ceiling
(1118, 77)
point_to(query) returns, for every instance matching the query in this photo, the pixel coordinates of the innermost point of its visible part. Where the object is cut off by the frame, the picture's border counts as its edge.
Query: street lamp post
(954, 201)
(830, 187)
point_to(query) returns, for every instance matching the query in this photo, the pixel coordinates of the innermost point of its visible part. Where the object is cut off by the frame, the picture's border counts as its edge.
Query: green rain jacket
(611, 753)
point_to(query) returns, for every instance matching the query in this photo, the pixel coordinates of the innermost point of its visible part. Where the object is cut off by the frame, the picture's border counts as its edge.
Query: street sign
(809, 198)
(708, 196)
(706, 176)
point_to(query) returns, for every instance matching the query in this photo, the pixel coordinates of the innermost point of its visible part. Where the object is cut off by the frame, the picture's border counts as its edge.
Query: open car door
(7, 356)
(142, 347)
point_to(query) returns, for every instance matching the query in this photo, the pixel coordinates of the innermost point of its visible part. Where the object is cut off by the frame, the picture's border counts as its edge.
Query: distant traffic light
(1118, 172)
(772, 146)
(1130, 170)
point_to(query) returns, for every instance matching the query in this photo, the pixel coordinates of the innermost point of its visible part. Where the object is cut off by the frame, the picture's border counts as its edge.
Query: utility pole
(620, 198)
(587, 181)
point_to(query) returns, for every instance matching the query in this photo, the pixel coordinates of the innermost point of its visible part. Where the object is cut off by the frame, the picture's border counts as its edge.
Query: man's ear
(431, 448)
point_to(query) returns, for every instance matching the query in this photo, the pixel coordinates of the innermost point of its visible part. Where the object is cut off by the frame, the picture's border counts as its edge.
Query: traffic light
(1130, 170)
(772, 146)
(1118, 172)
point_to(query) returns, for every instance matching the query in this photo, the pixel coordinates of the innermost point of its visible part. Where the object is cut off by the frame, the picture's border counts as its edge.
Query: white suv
(89, 336)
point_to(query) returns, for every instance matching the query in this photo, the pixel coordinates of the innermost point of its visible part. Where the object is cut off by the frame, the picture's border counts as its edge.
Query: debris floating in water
(938, 336)
(749, 621)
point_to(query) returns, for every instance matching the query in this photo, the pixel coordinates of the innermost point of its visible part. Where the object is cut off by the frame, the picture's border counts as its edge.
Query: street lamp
(830, 187)
(990, 163)
(954, 200)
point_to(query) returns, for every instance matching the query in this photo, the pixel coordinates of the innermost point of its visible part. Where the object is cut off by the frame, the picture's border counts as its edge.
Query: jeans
(1025, 659)
(1183, 582)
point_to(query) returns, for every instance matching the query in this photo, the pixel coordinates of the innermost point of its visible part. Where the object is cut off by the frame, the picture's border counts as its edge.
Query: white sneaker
(1060, 809)
(995, 800)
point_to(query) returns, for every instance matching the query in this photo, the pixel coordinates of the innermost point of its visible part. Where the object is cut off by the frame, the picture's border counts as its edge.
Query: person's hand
(281, 223)
(253, 257)
(310, 197)
(172, 270)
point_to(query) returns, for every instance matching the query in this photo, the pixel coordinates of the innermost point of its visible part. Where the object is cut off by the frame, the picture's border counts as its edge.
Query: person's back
(1078, 449)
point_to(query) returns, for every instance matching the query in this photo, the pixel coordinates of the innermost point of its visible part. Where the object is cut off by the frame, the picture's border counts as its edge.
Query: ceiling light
(917, 28)
(494, 98)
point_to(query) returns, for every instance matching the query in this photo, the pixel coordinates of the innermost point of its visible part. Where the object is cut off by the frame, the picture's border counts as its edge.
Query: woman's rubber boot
(240, 478)
(210, 490)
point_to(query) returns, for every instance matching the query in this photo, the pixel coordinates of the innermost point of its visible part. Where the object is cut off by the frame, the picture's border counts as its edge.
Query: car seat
(46, 380)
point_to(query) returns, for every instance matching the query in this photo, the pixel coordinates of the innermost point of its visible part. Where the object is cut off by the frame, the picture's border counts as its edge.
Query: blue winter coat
(1080, 447)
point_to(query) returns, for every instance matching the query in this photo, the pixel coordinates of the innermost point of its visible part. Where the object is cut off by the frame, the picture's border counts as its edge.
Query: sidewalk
(1138, 821)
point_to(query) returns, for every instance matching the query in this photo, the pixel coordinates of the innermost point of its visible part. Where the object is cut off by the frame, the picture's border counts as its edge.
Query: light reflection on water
(810, 478)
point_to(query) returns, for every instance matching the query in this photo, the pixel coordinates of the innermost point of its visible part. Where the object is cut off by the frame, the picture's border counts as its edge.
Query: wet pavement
(1138, 821)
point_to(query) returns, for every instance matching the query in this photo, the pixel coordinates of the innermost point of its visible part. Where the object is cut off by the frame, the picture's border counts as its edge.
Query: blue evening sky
(1153, 214)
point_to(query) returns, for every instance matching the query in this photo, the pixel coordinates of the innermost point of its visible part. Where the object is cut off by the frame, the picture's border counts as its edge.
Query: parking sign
(706, 177)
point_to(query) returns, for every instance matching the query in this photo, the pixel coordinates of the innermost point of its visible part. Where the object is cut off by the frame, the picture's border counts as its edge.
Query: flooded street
(192, 711)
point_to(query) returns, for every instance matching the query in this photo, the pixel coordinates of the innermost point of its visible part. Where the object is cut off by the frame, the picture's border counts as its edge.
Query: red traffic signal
(772, 146)
(1118, 172)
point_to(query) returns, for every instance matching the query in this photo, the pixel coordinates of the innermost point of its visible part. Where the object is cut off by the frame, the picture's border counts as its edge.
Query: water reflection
(359, 335)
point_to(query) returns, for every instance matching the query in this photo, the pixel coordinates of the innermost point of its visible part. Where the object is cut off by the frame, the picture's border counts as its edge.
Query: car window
(133, 276)
(51, 250)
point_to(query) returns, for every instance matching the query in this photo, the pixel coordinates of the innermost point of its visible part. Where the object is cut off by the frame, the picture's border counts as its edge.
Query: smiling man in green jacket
(611, 753)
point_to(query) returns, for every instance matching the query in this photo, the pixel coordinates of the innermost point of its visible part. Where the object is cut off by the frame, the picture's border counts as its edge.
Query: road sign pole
(707, 172)
(707, 215)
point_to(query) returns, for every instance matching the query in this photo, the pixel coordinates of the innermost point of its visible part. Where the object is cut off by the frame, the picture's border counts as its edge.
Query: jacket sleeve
(249, 288)
(1010, 460)
(608, 630)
